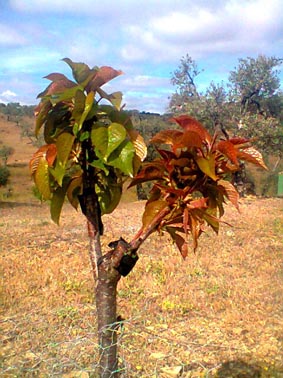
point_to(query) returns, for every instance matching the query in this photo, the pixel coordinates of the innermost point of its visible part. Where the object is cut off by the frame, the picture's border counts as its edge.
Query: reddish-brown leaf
(195, 225)
(51, 154)
(229, 191)
(182, 244)
(57, 87)
(139, 144)
(55, 76)
(150, 172)
(167, 137)
(211, 220)
(48, 152)
(200, 203)
(186, 220)
(166, 155)
(190, 124)
(152, 209)
(191, 139)
(252, 155)
(102, 76)
(238, 140)
(228, 149)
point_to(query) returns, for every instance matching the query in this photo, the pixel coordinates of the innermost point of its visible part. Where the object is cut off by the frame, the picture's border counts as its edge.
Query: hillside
(20, 182)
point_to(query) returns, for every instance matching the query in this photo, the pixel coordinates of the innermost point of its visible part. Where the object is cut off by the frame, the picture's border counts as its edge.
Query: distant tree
(4, 175)
(210, 107)
(253, 81)
(5, 152)
(184, 79)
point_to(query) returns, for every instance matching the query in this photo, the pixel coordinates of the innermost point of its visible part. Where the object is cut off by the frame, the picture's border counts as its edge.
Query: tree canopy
(250, 102)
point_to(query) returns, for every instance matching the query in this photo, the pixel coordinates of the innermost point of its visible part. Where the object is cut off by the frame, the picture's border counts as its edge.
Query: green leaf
(116, 116)
(122, 158)
(116, 99)
(207, 166)
(57, 202)
(41, 112)
(109, 195)
(81, 71)
(99, 138)
(58, 172)
(41, 178)
(64, 146)
(108, 139)
(88, 106)
(74, 189)
(84, 136)
(79, 105)
(100, 165)
(116, 135)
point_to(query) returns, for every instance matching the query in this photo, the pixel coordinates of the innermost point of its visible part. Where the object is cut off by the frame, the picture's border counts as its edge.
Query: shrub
(4, 175)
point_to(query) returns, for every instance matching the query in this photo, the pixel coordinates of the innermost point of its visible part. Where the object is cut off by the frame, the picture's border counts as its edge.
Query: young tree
(91, 148)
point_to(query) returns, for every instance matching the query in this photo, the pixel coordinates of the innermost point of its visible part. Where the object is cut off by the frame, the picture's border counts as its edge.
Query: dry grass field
(182, 318)
(218, 314)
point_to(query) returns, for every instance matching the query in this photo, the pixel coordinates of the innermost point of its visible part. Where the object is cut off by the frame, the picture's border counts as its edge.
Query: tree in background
(184, 79)
(251, 104)
(253, 81)
(4, 175)
(92, 148)
(5, 152)
(209, 107)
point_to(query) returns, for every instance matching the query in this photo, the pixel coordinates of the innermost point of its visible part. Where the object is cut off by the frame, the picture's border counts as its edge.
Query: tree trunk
(106, 291)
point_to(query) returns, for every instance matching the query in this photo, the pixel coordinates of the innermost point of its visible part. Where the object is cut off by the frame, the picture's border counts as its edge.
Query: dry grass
(189, 317)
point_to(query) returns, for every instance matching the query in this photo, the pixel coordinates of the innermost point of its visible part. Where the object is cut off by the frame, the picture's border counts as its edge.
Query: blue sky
(144, 38)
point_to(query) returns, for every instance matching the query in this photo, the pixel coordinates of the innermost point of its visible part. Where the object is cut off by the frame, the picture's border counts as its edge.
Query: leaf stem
(144, 233)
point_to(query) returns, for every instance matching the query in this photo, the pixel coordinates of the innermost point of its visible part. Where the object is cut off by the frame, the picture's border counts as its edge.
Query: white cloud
(146, 39)
(7, 96)
(10, 37)
(237, 26)
(144, 92)
(8, 93)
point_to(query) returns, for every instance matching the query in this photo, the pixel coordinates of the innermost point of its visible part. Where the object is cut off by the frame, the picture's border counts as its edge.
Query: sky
(146, 39)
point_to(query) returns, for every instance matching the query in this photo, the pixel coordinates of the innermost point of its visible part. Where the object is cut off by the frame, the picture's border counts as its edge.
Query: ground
(216, 314)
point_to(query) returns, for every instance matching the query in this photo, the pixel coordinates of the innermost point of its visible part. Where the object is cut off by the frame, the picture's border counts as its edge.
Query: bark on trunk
(106, 290)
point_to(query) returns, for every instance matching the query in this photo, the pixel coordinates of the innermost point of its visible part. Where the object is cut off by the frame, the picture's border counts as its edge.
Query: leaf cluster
(86, 132)
(191, 180)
